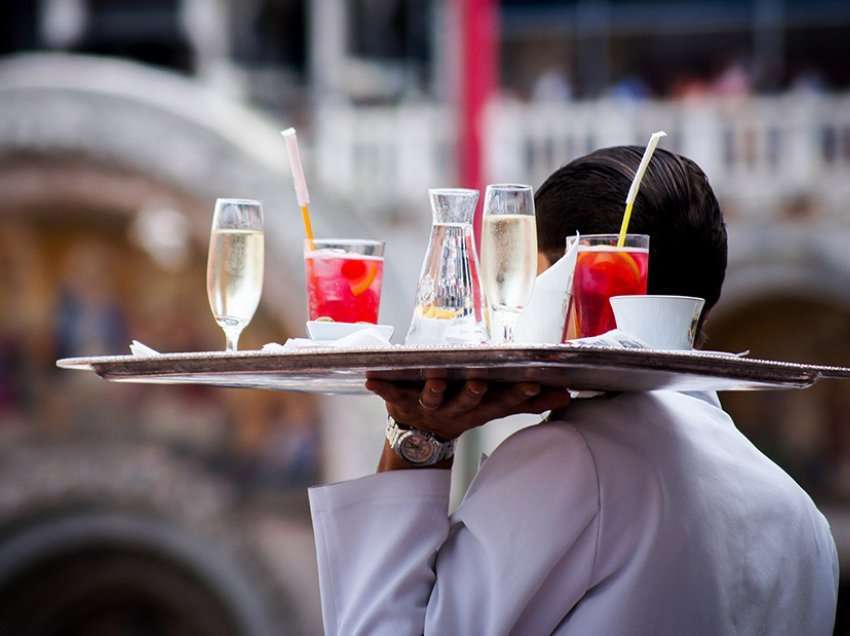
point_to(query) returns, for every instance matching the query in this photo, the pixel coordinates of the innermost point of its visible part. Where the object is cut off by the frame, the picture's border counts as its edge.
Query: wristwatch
(417, 447)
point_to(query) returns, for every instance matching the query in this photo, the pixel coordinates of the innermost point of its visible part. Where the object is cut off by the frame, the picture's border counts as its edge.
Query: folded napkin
(619, 339)
(366, 337)
(616, 338)
(141, 350)
(542, 319)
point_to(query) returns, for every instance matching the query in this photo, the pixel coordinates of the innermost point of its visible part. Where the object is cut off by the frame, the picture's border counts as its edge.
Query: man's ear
(543, 263)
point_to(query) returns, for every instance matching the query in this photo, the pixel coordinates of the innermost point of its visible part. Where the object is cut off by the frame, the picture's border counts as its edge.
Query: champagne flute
(235, 265)
(508, 255)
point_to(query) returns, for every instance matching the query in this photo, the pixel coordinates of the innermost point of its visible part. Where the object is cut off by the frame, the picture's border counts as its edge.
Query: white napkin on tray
(616, 339)
(365, 337)
(619, 339)
(542, 319)
(141, 350)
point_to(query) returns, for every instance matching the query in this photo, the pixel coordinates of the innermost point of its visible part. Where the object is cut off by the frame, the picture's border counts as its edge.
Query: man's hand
(448, 411)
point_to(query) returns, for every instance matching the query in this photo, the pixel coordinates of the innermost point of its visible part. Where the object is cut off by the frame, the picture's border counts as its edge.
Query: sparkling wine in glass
(508, 255)
(235, 265)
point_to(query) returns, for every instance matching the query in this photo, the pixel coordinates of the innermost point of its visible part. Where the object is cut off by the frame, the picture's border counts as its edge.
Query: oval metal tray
(344, 371)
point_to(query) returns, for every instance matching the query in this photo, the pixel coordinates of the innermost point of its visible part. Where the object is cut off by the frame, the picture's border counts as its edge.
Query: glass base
(232, 330)
(438, 331)
(502, 322)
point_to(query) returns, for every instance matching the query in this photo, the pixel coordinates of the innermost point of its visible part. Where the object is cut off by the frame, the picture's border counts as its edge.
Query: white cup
(663, 322)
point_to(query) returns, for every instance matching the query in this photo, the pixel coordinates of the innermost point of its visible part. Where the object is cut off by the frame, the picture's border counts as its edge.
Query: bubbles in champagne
(508, 260)
(235, 275)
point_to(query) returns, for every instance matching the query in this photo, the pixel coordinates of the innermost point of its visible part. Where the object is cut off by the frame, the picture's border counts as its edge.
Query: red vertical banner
(479, 31)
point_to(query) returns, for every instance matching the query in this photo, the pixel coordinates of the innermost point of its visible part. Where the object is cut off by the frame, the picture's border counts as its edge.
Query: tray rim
(455, 355)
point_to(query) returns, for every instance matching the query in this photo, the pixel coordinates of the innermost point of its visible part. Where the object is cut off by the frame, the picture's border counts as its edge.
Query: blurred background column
(207, 25)
(328, 24)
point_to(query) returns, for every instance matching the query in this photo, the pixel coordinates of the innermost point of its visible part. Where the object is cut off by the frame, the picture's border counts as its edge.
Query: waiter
(643, 513)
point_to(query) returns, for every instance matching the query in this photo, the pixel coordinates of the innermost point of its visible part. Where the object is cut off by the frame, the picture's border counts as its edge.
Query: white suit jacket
(637, 514)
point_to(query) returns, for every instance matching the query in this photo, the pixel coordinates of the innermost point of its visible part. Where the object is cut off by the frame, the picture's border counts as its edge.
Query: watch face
(415, 448)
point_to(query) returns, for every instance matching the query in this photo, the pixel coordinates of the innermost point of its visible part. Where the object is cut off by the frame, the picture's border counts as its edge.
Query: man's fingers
(468, 398)
(432, 394)
(385, 390)
(508, 400)
(519, 393)
(392, 392)
(477, 402)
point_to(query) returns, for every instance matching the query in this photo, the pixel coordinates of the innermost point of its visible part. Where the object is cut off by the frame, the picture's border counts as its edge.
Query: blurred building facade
(168, 511)
(121, 122)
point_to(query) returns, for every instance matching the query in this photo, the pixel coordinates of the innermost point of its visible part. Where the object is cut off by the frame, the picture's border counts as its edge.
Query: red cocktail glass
(343, 279)
(603, 270)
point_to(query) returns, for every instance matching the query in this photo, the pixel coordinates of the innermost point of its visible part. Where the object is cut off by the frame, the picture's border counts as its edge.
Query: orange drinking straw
(308, 226)
(298, 179)
(633, 190)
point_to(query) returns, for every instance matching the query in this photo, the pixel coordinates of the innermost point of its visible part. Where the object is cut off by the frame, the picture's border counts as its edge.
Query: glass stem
(502, 325)
(231, 336)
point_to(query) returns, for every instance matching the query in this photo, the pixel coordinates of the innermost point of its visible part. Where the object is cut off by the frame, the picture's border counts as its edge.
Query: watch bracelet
(395, 429)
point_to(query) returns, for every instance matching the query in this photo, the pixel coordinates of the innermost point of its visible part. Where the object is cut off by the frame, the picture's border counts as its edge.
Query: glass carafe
(448, 298)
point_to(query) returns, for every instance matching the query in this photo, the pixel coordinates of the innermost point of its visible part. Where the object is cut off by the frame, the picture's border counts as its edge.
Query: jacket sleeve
(516, 556)
(376, 542)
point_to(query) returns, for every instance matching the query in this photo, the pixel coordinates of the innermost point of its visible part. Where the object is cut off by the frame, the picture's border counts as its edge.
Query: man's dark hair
(675, 206)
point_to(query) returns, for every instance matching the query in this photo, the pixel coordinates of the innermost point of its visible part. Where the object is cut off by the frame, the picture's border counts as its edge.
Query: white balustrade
(759, 153)
(384, 156)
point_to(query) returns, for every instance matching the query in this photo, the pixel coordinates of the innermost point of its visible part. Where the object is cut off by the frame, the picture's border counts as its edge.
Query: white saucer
(326, 330)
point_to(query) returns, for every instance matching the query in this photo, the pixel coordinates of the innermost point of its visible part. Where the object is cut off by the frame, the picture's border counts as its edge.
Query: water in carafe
(449, 307)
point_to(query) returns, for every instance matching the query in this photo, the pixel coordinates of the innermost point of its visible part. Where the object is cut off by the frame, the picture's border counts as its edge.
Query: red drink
(343, 287)
(603, 271)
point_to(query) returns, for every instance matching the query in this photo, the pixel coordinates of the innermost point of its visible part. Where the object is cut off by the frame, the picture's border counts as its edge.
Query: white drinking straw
(633, 190)
(296, 167)
(301, 193)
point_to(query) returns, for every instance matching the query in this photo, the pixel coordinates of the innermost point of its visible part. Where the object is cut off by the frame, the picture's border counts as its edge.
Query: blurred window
(149, 32)
(272, 33)
(18, 27)
(391, 29)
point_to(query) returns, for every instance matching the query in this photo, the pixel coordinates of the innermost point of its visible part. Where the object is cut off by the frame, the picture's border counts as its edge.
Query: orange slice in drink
(439, 312)
(612, 261)
(631, 262)
(360, 274)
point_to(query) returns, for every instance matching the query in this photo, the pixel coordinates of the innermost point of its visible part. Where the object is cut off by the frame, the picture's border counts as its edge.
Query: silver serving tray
(344, 371)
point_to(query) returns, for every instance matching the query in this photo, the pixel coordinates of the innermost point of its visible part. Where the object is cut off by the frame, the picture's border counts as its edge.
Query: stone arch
(107, 136)
(80, 116)
(807, 262)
